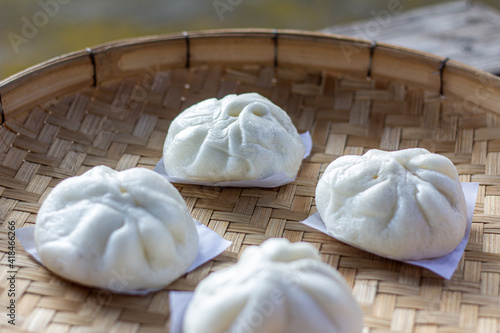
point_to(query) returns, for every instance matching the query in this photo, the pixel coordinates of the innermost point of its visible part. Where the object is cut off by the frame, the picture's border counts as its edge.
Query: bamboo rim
(258, 46)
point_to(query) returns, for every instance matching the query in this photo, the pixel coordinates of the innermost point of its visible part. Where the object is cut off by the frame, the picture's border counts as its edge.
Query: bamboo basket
(112, 105)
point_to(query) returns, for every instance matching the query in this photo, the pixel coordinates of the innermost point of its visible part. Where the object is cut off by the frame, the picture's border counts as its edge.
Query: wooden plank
(466, 31)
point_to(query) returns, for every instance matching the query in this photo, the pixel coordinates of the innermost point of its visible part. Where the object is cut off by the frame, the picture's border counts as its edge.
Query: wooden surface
(466, 31)
(122, 122)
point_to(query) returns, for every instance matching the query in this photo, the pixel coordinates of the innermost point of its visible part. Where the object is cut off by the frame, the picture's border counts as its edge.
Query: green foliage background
(77, 24)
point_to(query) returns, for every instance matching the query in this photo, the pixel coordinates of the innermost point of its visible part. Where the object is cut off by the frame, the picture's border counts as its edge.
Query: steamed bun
(406, 204)
(122, 231)
(275, 287)
(239, 137)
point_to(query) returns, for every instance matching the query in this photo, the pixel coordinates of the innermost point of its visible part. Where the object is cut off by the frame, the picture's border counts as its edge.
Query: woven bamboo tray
(112, 105)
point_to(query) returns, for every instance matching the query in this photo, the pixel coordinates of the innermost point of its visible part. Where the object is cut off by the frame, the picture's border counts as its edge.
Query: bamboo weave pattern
(123, 124)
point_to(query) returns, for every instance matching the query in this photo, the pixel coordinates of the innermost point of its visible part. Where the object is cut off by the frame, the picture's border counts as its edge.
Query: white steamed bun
(406, 204)
(276, 287)
(122, 231)
(239, 137)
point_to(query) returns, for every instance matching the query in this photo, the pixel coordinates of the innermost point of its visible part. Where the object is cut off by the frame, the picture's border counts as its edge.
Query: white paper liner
(275, 180)
(443, 266)
(210, 246)
(178, 301)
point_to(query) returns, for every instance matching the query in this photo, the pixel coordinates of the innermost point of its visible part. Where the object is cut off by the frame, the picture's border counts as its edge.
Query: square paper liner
(178, 301)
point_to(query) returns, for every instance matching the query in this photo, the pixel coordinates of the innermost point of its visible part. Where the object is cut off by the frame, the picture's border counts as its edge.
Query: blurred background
(32, 31)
